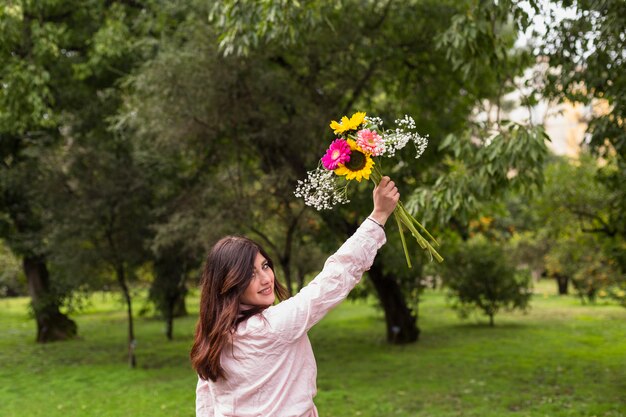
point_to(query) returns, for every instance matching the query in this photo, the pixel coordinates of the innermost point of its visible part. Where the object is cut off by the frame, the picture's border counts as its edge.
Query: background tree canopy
(135, 134)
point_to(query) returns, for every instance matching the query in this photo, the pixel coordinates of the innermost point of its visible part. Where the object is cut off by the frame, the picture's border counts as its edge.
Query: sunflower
(346, 124)
(359, 166)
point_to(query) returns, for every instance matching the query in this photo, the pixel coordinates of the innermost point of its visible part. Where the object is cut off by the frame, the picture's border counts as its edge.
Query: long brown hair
(227, 273)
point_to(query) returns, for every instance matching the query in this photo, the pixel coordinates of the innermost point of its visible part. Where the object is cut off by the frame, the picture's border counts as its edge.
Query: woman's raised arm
(292, 318)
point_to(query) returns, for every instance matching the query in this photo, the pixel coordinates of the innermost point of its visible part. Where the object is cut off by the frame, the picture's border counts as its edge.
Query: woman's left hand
(386, 197)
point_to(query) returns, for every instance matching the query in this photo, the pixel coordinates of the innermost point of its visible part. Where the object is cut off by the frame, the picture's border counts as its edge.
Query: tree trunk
(175, 308)
(169, 322)
(401, 323)
(285, 264)
(561, 282)
(52, 325)
(491, 322)
(300, 277)
(168, 288)
(121, 279)
(180, 308)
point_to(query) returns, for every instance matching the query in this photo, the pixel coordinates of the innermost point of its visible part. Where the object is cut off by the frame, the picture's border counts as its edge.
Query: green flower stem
(418, 224)
(406, 250)
(408, 220)
(404, 218)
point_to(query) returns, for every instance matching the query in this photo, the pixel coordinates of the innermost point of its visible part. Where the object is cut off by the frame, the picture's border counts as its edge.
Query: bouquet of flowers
(356, 154)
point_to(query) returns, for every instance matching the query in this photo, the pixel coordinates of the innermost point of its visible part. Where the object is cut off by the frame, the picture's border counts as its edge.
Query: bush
(12, 279)
(583, 257)
(480, 275)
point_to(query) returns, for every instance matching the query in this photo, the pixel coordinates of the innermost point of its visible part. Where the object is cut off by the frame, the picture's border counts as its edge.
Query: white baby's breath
(374, 121)
(396, 139)
(320, 190)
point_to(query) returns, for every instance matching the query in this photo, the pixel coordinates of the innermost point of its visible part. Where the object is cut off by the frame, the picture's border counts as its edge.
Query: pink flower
(337, 153)
(370, 142)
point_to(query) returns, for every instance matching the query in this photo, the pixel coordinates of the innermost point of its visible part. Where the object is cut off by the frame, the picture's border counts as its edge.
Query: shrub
(12, 279)
(480, 275)
(584, 259)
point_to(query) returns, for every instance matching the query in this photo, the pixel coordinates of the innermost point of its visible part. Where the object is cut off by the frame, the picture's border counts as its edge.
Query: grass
(560, 359)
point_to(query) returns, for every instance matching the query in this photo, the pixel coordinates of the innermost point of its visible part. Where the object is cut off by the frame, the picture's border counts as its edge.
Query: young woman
(254, 358)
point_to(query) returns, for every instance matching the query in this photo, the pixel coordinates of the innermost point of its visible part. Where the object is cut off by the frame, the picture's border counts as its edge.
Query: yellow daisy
(359, 166)
(346, 124)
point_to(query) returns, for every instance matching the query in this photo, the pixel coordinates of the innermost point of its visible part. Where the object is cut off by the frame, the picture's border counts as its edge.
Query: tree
(579, 242)
(36, 54)
(583, 57)
(564, 231)
(585, 53)
(264, 108)
(168, 289)
(12, 280)
(62, 61)
(586, 50)
(481, 276)
(582, 258)
(108, 203)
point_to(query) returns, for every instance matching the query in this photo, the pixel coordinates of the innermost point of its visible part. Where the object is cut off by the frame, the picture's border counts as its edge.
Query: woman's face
(260, 291)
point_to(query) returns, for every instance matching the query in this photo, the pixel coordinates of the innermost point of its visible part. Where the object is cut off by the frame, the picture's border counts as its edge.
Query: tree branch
(266, 239)
(360, 87)
(382, 17)
(606, 228)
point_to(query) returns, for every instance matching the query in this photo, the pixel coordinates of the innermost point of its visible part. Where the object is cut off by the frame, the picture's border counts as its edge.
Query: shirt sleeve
(204, 401)
(292, 318)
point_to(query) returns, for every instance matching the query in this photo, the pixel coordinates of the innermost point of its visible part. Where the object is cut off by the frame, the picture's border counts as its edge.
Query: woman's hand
(386, 197)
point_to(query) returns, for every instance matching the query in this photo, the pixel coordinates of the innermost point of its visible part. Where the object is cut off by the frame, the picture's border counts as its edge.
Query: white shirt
(271, 370)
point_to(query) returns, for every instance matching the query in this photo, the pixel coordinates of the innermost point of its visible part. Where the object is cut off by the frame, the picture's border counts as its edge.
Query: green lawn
(560, 359)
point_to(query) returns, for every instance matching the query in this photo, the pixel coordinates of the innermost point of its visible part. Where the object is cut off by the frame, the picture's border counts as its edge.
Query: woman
(254, 358)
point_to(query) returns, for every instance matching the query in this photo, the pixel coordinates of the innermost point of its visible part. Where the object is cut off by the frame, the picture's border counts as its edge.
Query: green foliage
(70, 192)
(569, 230)
(247, 25)
(587, 54)
(478, 40)
(396, 65)
(587, 60)
(578, 191)
(28, 44)
(168, 289)
(528, 248)
(12, 280)
(584, 239)
(481, 276)
(617, 291)
(583, 258)
(161, 130)
(479, 169)
(106, 212)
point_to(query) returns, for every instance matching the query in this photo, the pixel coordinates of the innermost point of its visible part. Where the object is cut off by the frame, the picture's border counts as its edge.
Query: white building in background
(567, 128)
(565, 124)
